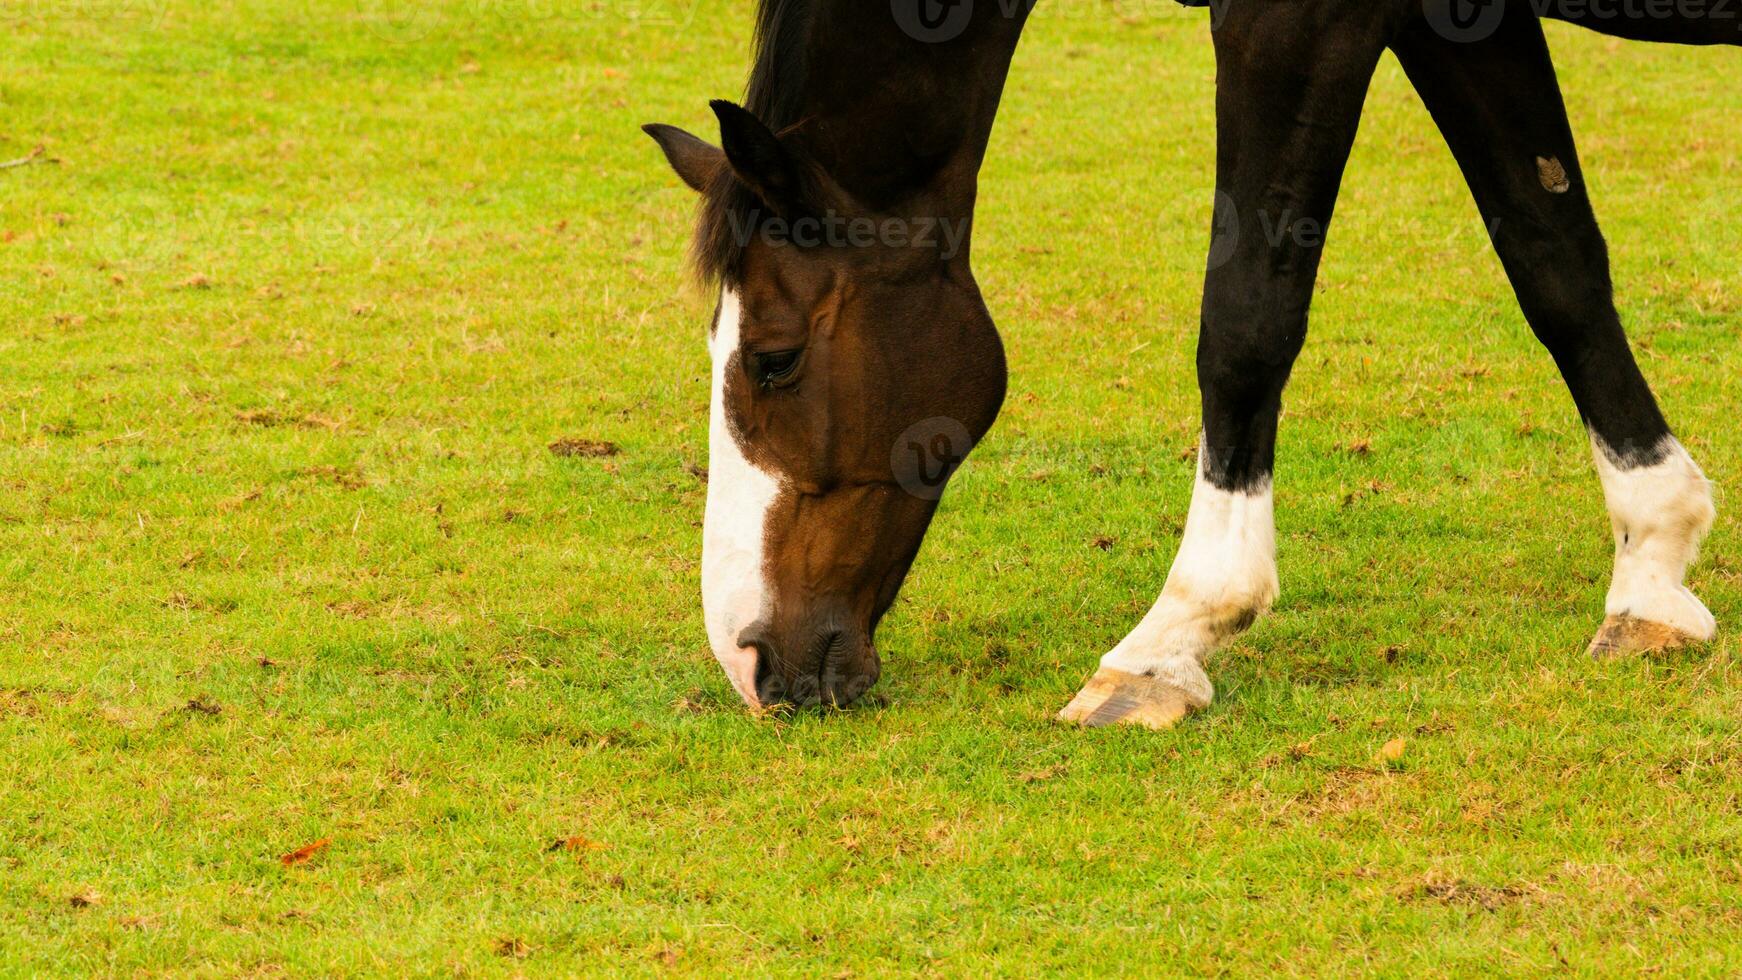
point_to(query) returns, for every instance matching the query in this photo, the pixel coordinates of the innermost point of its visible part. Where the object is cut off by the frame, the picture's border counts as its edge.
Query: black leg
(1291, 80)
(1499, 107)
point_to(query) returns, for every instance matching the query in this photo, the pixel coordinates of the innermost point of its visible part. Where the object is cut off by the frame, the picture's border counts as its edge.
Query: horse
(855, 363)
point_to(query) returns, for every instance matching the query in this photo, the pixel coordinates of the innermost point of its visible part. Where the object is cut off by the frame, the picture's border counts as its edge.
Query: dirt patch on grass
(26, 702)
(1458, 891)
(344, 479)
(584, 449)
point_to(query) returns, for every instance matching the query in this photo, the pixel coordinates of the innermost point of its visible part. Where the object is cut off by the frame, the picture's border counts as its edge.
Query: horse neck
(901, 123)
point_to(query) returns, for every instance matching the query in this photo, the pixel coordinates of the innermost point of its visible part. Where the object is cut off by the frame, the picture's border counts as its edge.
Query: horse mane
(775, 95)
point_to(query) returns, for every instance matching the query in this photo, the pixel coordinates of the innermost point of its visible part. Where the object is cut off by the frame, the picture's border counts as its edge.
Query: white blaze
(739, 497)
(1223, 577)
(1659, 514)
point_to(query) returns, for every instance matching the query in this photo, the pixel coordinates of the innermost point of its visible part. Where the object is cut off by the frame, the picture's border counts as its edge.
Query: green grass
(289, 327)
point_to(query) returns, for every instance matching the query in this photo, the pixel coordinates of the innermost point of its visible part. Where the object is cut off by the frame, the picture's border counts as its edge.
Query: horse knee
(1247, 348)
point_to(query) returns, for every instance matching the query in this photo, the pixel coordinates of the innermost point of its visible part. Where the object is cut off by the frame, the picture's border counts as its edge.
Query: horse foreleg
(1291, 79)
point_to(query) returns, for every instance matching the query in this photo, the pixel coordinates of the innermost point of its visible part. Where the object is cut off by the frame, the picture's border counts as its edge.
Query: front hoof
(1624, 635)
(1114, 697)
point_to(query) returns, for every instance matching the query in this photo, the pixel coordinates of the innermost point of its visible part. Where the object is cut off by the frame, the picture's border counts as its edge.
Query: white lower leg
(1659, 512)
(1223, 578)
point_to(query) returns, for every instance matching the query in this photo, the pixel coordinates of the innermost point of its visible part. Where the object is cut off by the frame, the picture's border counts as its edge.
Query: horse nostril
(771, 687)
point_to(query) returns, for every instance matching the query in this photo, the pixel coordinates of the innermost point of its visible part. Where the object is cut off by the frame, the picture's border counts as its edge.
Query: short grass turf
(285, 557)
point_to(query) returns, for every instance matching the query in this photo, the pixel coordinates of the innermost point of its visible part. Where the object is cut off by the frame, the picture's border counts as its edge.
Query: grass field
(285, 558)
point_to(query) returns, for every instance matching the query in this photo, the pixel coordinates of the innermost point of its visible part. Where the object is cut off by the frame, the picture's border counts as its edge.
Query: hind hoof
(1114, 697)
(1623, 636)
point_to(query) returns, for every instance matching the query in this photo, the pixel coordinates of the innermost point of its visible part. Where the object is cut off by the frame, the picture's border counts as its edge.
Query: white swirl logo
(1464, 21)
(395, 21)
(932, 21)
(1224, 231)
(926, 455)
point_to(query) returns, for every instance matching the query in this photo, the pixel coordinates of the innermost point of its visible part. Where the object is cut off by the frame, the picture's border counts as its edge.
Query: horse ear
(695, 160)
(766, 165)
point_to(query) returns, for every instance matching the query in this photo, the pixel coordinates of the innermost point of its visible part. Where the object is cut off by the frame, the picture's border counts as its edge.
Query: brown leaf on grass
(576, 845)
(585, 448)
(266, 418)
(1042, 775)
(196, 282)
(305, 852)
(512, 947)
(1391, 751)
(1360, 447)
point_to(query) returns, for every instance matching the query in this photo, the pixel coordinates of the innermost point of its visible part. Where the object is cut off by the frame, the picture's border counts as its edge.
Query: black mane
(776, 96)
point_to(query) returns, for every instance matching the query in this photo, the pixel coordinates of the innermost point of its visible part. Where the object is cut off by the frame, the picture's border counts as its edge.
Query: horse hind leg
(1499, 107)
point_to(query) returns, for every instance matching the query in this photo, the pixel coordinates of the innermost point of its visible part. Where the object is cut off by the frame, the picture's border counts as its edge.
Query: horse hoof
(1114, 697)
(1627, 635)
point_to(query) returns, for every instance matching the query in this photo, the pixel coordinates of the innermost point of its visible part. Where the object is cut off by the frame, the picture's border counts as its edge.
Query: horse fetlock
(1660, 507)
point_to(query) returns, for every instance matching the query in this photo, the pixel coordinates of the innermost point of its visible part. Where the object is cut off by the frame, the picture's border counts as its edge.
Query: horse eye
(773, 367)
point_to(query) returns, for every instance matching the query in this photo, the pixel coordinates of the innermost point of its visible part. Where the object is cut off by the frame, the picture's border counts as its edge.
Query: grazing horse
(855, 364)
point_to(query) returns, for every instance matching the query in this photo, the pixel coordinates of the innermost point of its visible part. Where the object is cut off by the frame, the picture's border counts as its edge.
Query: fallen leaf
(305, 852)
(1042, 775)
(588, 448)
(513, 947)
(1391, 751)
(576, 845)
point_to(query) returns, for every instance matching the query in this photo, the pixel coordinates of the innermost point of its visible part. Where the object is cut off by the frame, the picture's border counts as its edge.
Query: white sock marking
(1223, 577)
(734, 589)
(1659, 515)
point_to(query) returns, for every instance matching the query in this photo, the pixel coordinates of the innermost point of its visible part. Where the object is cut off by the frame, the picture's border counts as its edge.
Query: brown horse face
(850, 379)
